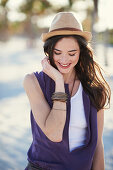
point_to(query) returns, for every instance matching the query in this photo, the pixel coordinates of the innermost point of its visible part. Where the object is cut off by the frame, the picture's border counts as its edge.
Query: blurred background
(21, 51)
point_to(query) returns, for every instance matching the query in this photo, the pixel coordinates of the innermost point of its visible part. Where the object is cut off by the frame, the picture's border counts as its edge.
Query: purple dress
(57, 155)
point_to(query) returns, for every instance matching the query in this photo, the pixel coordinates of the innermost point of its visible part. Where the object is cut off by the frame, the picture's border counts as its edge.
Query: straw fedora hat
(65, 23)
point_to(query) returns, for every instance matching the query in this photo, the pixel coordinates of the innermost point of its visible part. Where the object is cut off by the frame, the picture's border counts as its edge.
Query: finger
(46, 57)
(48, 61)
(45, 63)
(44, 60)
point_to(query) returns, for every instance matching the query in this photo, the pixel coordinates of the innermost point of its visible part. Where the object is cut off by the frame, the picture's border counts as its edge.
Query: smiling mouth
(64, 65)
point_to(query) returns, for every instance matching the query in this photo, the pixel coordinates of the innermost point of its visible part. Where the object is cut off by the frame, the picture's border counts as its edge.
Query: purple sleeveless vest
(56, 155)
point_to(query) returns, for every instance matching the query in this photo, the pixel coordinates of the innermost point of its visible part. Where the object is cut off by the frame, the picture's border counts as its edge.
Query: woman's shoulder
(33, 77)
(34, 80)
(29, 76)
(29, 80)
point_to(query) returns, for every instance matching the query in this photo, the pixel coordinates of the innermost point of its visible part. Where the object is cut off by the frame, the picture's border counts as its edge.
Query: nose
(64, 59)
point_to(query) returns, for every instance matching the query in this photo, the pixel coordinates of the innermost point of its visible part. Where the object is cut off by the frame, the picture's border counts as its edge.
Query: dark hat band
(65, 28)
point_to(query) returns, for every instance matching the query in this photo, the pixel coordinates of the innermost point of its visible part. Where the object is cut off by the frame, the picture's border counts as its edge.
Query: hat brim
(87, 35)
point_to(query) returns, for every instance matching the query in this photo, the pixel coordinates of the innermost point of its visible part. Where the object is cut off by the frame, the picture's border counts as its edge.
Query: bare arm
(51, 121)
(55, 120)
(98, 161)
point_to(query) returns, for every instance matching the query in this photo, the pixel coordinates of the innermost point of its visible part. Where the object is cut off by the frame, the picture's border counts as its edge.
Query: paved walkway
(15, 136)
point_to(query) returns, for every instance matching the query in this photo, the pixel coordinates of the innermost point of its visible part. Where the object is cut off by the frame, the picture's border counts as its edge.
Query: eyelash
(57, 53)
(71, 54)
(60, 53)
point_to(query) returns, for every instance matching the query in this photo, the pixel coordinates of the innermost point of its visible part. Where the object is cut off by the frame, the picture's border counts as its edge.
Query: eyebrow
(56, 49)
(72, 50)
(68, 51)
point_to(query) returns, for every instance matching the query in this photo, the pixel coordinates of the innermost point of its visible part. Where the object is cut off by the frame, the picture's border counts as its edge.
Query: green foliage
(34, 7)
(3, 3)
(111, 36)
(70, 3)
(101, 37)
(3, 15)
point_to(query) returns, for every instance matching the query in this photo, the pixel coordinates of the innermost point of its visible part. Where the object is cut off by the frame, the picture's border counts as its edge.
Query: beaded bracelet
(59, 96)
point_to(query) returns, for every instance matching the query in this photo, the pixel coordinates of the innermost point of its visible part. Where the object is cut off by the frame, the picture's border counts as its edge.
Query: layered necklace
(72, 86)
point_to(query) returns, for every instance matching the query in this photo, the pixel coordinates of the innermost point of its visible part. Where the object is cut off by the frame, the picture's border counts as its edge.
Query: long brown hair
(87, 70)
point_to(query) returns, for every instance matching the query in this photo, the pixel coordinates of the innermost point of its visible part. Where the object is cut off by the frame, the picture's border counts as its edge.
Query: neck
(68, 78)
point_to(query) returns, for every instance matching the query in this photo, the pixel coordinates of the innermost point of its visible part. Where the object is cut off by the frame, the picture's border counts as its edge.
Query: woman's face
(66, 54)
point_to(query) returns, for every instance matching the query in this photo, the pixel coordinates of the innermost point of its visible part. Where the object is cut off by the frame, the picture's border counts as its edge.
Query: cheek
(75, 59)
(55, 58)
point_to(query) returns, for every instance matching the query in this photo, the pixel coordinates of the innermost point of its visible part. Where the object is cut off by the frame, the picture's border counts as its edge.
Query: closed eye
(57, 53)
(72, 54)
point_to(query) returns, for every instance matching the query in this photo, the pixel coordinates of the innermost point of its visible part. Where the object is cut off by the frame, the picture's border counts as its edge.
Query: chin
(64, 71)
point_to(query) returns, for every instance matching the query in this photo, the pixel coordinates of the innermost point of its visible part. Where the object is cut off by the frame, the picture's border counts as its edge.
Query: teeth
(64, 65)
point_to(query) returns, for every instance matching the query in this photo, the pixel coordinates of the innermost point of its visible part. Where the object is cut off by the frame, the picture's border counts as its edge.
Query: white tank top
(77, 125)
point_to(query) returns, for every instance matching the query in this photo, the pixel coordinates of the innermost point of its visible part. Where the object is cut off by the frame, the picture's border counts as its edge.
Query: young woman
(67, 100)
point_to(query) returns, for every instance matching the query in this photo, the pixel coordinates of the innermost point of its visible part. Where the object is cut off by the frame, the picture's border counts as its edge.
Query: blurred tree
(94, 20)
(3, 20)
(95, 6)
(70, 3)
(91, 19)
(3, 3)
(33, 9)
